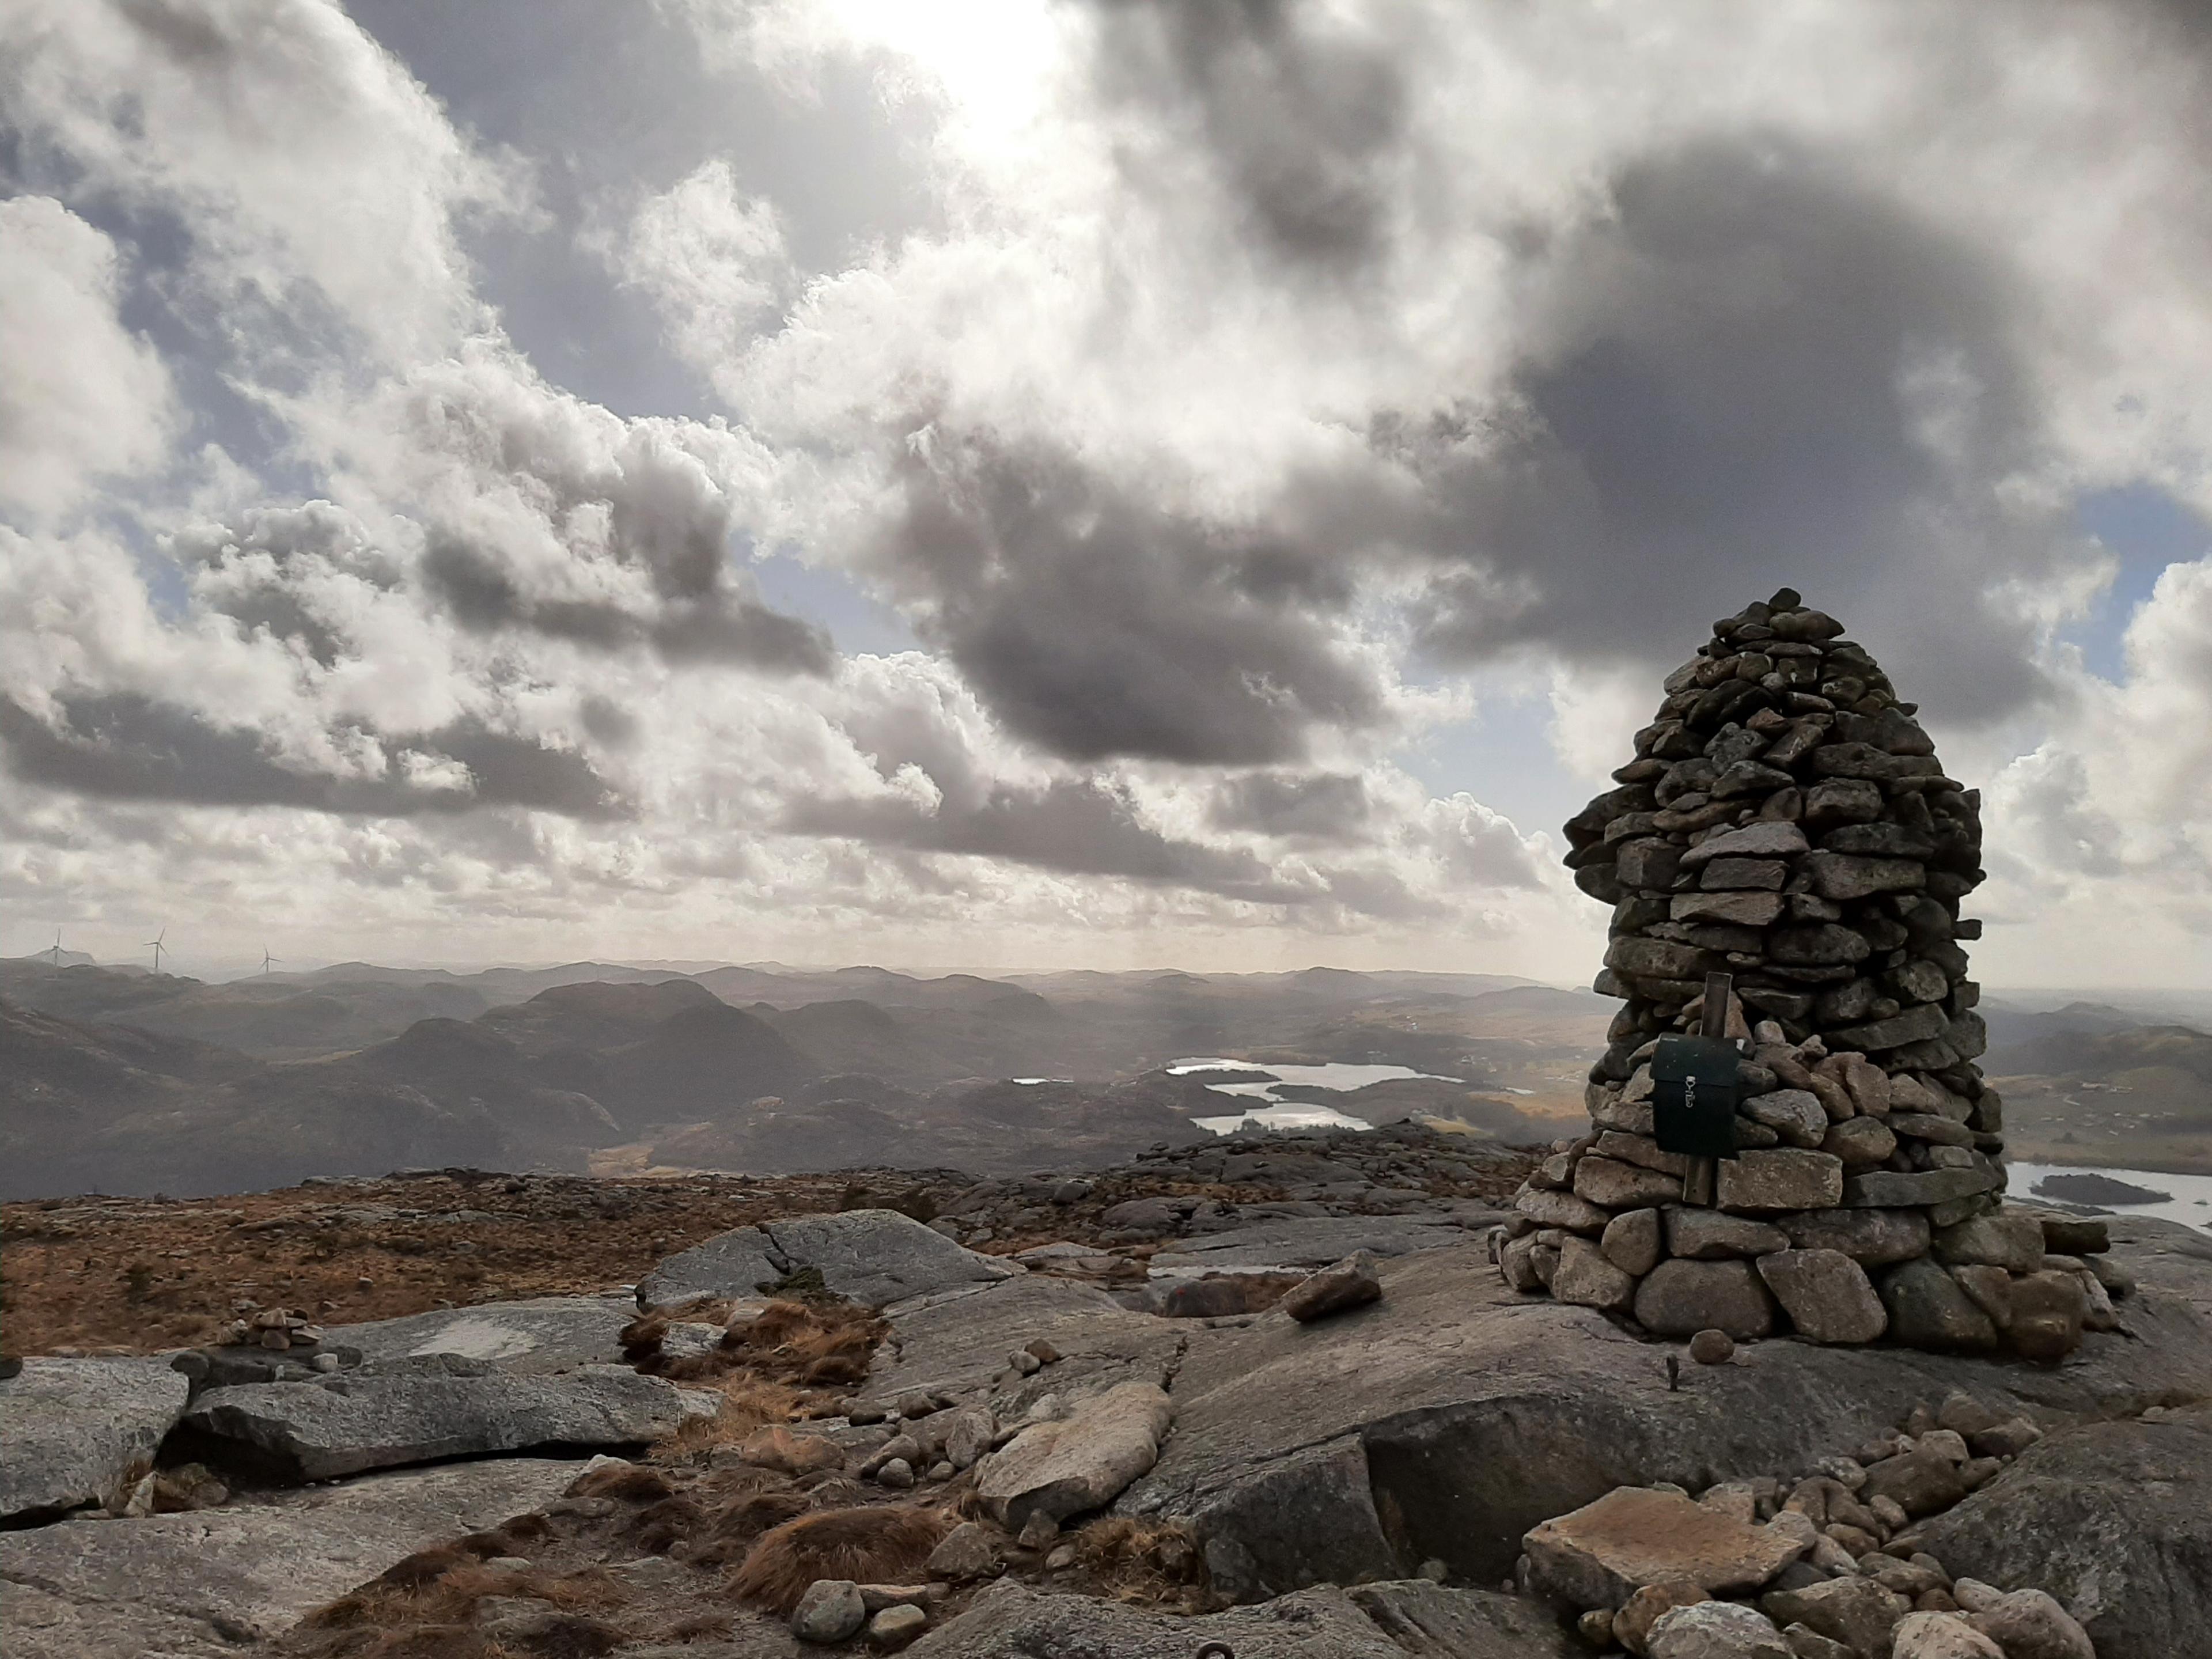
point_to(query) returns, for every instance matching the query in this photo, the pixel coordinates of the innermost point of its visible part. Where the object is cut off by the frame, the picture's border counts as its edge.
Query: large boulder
(1292, 1241)
(73, 1430)
(2114, 1519)
(1603, 1553)
(1388, 1620)
(200, 1584)
(1716, 1629)
(351, 1423)
(1856, 1612)
(1079, 1463)
(1454, 1415)
(872, 1256)
(960, 1344)
(548, 1333)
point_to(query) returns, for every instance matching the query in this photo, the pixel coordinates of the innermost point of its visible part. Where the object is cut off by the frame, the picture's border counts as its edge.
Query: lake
(1291, 1114)
(2190, 1203)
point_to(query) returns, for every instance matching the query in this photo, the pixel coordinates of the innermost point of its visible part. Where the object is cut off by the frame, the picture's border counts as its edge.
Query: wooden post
(1718, 989)
(1698, 1183)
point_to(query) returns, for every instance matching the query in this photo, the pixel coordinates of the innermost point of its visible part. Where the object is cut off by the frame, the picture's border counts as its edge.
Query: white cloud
(316, 183)
(1238, 387)
(83, 399)
(712, 258)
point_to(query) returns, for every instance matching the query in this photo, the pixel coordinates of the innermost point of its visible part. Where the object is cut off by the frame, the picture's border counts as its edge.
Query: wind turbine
(156, 943)
(265, 960)
(58, 947)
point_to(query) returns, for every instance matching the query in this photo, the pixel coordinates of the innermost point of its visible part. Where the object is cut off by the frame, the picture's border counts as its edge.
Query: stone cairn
(1786, 822)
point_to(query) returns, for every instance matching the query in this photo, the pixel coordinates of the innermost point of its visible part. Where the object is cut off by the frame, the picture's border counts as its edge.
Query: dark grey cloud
(723, 626)
(607, 720)
(1322, 806)
(1754, 371)
(1098, 624)
(1077, 827)
(538, 468)
(187, 36)
(266, 571)
(123, 745)
(1303, 125)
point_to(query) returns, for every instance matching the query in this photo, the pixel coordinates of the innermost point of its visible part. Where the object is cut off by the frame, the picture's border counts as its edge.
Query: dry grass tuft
(883, 1545)
(632, 1483)
(776, 1324)
(709, 1625)
(1142, 1560)
(641, 1339)
(747, 1404)
(413, 1571)
(730, 1530)
(827, 1489)
(387, 1604)
(659, 1526)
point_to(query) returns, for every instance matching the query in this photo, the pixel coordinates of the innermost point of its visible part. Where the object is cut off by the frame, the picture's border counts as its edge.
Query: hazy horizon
(2186, 1001)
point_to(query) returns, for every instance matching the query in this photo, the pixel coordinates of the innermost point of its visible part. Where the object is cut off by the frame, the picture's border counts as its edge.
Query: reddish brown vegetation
(138, 1274)
(884, 1544)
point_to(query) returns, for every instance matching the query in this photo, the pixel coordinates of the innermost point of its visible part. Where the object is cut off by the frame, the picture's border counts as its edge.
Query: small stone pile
(1833, 1565)
(1785, 821)
(278, 1330)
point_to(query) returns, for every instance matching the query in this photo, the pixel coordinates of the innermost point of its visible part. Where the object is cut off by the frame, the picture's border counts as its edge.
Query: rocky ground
(1269, 1393)
(137, 1275)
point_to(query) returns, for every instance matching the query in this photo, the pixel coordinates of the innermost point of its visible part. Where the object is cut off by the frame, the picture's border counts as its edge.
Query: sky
(1081, 482)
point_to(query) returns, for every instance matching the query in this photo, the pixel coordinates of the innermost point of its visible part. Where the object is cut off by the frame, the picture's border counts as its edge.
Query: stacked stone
(1785, 821)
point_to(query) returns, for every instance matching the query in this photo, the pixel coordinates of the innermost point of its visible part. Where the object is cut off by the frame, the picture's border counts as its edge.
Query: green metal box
(1693, 1094)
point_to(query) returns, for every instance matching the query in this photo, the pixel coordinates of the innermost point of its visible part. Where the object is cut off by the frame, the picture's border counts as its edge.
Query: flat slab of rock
(1371, 1622)
(548, 1333)
(2114, 1519)
(349, 1424)
(1307, 1241)
(1604, 1552)
(960, 1345)
(198, 1585)
(1474, 1413)
(71, 1430)
(873, 1256)
(1080, 1462)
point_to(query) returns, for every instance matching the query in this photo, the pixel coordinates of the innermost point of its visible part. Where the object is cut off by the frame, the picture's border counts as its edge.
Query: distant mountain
(2081, 1039)
(2089, 1084)
(701, 1062)
(143, 1082)
(273, 1017)
(787, 988)
(98, 1108)
(1543, 1000)
(594, 1015)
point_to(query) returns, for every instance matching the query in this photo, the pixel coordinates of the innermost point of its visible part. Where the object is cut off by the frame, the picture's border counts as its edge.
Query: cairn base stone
(1928, 1309)
(1702, 1235)
(1586, 1278)
(1828, 1296)
(1786, 1178)
(1681, 1299)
